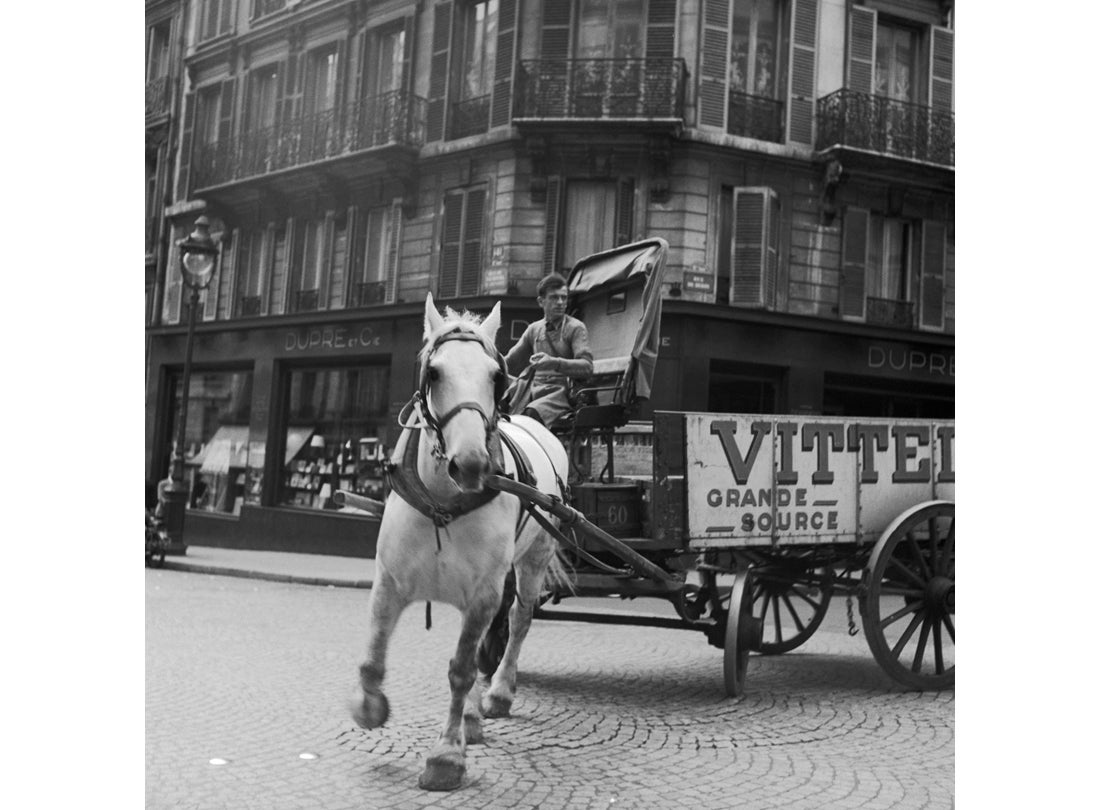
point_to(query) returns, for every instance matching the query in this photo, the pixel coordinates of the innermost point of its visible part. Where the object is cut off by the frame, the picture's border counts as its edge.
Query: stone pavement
(276, 566)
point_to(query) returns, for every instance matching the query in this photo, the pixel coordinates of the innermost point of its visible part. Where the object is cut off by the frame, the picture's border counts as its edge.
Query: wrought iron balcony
(469, 117)
(156, 97)
(888, 312)
(606, 89)
(887, 126)
(391, 119)
(368, 293)
(755, 117)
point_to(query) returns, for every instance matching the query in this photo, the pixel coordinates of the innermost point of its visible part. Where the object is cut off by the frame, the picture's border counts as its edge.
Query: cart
(747, 524)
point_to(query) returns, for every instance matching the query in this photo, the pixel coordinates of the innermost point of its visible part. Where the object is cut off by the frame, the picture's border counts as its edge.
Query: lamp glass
(197, 268)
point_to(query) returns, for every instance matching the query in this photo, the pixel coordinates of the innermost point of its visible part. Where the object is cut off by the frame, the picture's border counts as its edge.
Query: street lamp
(198, 253)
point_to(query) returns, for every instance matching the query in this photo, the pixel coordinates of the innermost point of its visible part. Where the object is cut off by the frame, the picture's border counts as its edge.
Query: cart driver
(550, 352)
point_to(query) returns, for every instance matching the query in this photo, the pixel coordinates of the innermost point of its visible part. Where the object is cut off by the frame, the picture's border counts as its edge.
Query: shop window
(860, 396)
(216, 439)
(743, 388)
(335, 429)
(461, 254)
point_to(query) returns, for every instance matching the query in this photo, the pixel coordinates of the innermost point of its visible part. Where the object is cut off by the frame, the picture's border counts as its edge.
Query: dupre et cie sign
(339, 338)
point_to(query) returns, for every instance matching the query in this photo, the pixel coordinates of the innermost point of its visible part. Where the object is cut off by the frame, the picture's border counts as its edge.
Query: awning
(228, 448)
(295, 438)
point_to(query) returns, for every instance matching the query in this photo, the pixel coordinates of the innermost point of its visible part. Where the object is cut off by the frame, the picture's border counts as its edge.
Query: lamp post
(198, 253)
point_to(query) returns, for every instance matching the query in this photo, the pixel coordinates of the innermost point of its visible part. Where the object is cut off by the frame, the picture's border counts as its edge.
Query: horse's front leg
(530, 572)
(446, 763)
(370, 708)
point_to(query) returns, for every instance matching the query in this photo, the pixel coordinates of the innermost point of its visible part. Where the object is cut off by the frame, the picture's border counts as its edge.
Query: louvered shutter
(941, 81)
(393, 255)
(228, 280)
(861, 49)
(853, 298)
(624, 212)
(357, 245)
(406, 53)
(933, 261)
(225, 161)
(660, 32)
(187, 138)
(505, 64)
(296, 240)
(451, 251)
(173, 291)
(243, 262)
(753, 257)
(340, 97)
(550, 90)
(470, 282)
(324, 279)
(800, 102)
(210, 294)
(714, 64)
(292, 79)
(553, 213)
(440, 71)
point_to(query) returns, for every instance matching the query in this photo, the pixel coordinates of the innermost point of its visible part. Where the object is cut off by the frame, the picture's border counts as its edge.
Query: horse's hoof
(474, 733)
(443, 772)
(372, 711)
(495, 706)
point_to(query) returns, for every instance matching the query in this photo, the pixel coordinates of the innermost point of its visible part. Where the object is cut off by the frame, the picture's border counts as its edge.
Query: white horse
(428, 551)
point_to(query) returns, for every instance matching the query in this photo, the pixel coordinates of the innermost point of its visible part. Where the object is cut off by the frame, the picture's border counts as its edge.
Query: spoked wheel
(742, 634)
(791, 602)
(909, 606)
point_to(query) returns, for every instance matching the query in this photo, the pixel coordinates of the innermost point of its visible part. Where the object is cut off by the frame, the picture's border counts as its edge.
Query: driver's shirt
(568, 339)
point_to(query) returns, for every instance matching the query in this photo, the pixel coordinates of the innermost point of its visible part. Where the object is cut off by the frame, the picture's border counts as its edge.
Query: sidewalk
(277, 566)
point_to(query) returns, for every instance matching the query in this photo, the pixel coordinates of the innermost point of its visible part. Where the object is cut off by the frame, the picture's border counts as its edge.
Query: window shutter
(328, 234)
(556, 20)
(341, 74)
(437, 82)
(553, 212)
(505, 64)
(750, 260)
(861, 49)
(452, 245)
(357, 245)
(624, 213)
(800, 102)
(187, 137)
(210, 294)
(660, 32)
(393, 257)
(279, 269)
(714, 64)
(933, 261)
(407, 52)
(292, 79)
(941, 81)
(173, 291)
(853, 299)
(227, 282)
(470, 283)
(226, 107)
(296, 240)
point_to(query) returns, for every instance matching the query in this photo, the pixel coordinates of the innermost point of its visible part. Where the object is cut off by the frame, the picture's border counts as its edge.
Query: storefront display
(336, 426)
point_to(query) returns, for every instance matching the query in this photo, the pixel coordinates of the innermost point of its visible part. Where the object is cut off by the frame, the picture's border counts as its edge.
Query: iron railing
(755, 117)
(601, 88)
(156, 97)
(887, 126)
(366, 293)
(391, 119)
(469, 117)
(888, 312)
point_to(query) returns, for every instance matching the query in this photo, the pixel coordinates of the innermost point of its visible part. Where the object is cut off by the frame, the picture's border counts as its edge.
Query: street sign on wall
(761, 480)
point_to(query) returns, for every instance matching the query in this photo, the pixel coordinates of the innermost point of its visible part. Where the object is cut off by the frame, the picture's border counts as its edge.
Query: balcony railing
(887, 126)
(888, 312)
(156, 97)
(367, 293)
(755, 117)
(391, 119)
(613, 89)
(469, 117)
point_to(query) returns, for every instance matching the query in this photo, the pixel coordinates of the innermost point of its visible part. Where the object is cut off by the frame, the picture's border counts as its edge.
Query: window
(609, 29)
(896, 61)
(389, 62)
(380, 243)
(479, 49)
(755, 48)
(156, 66)
(261, 8)
(263, 98)
(335, 424)
(754, 245)
(743, 388)
(322, 81)
(882, 279)
(216, 18)
(598, 215)
(208, 115)
(255, 270)
(216, 439)
(314, 263)
(460, 259)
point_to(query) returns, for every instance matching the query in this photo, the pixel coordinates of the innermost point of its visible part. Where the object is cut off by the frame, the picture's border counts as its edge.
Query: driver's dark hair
(550, 283)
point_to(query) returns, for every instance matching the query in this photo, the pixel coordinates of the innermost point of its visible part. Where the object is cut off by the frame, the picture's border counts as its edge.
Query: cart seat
(617, 294)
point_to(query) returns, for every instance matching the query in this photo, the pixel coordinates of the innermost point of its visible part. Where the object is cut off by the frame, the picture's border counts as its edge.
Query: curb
(198, 568)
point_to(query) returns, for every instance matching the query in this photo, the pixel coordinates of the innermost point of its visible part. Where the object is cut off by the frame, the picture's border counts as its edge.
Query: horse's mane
(454, 321)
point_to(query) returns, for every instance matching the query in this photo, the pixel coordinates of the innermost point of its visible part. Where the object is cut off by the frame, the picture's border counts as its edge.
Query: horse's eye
(433, 373)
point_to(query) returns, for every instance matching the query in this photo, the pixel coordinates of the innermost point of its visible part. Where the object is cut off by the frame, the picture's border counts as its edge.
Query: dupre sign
(339, 338)
(757, 480)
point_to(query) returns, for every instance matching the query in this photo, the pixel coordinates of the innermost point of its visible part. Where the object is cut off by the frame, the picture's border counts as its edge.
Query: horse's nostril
(452, 469)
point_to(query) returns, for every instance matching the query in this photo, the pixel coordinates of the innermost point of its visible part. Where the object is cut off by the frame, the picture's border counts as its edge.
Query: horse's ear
(432, 319)
(491, 324)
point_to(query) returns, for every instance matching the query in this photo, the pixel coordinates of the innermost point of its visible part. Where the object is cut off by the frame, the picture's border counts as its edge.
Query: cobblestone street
(259, 674)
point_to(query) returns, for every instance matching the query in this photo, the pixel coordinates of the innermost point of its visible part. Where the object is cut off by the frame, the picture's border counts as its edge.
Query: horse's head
(462, 379)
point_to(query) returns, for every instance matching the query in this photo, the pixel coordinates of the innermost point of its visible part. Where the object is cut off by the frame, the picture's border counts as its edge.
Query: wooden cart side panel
(669, 484)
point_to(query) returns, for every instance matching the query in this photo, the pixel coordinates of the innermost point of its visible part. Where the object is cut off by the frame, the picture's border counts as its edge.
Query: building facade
(797, 155)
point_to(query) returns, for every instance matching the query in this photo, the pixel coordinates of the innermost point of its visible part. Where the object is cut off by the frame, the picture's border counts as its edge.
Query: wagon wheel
(791, 602)
(742, 634)
(909, 604)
